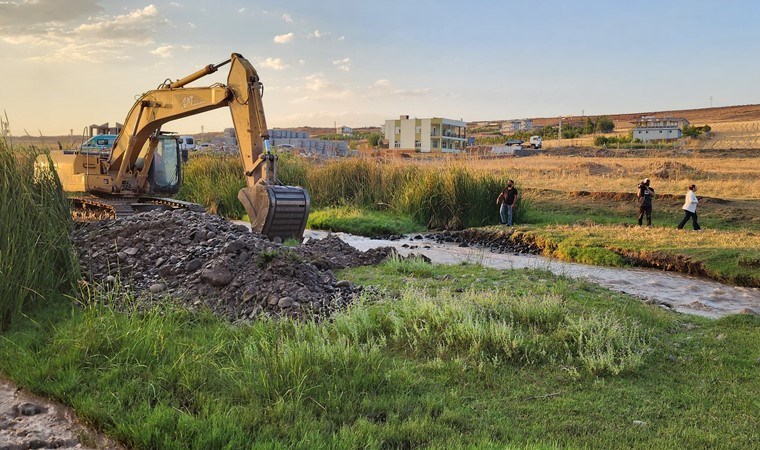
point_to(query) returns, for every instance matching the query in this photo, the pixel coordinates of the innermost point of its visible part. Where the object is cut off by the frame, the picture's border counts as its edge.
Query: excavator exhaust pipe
(278, 212)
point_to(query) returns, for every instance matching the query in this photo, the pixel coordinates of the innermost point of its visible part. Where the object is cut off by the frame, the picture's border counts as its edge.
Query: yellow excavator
(144, 161)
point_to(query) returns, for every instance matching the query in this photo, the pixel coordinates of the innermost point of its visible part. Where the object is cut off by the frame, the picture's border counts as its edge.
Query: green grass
(36, 257)
(726, 255)
(361, 222)
(442, 356)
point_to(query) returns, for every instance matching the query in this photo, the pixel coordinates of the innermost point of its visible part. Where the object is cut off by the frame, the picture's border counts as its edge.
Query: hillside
(700, 116)
(733, 127)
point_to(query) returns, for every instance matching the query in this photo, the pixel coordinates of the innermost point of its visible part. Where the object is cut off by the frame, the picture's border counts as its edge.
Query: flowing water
(683, 293)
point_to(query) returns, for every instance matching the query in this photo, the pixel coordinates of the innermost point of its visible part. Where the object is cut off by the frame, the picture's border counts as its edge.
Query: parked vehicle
(535, 142)
(99, 144)
(186, 144)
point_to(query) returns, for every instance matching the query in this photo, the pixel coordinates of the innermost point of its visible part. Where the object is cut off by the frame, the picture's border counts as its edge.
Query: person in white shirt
(690, 208)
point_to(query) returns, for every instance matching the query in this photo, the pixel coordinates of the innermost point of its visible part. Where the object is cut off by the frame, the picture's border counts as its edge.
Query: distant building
(650, 128)
(435, 134)
(513, 126)
(105, 129)
(288, 134)
(301, 140)
(344, 130)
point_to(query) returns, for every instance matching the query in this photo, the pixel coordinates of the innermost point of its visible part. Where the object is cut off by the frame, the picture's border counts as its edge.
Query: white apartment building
(435, 134)
(650, 128)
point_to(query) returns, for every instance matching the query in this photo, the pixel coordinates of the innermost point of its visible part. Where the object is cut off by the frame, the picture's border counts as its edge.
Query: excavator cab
(166, 170)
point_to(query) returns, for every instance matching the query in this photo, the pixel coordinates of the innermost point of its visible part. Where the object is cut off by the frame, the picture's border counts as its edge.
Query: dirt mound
(202, 260)
(593, 168)
(674, 170)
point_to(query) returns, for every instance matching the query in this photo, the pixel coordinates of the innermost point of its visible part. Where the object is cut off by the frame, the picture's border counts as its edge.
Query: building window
(397, 144)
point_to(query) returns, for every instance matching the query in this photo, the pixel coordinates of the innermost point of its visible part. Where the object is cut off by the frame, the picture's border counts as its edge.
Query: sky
(67, 64)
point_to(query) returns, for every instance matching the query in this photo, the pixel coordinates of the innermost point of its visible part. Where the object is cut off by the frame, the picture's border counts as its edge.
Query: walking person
(508, 199)
(690, 208)
(645, 195)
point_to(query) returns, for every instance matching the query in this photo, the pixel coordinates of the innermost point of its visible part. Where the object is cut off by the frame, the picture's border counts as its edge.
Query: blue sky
(71, 63)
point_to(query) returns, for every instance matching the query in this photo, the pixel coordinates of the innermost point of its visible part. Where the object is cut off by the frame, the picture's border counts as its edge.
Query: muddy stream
(682, 293)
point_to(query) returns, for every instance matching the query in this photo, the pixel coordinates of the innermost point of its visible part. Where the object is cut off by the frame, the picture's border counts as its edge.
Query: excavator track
(91, 208)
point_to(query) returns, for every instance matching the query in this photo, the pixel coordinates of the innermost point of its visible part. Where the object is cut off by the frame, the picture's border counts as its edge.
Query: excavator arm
(277, 211)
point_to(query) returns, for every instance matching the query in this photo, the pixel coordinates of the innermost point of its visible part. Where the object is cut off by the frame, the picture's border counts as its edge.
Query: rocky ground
(28, 421)
(203, 261)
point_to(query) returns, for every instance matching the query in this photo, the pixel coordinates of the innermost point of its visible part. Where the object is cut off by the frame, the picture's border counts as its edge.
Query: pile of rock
(202, 260)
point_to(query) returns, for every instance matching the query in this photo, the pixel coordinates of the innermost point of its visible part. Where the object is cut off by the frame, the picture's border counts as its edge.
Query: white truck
(535, 142)
(186, 143)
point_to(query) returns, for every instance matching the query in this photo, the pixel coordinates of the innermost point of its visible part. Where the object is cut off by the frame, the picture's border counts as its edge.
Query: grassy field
(430, 356)
(576, 208)
(671, 173)
(454, 357)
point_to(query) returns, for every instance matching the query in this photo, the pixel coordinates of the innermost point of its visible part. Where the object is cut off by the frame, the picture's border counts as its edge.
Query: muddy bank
(29, 421)
(514, 241)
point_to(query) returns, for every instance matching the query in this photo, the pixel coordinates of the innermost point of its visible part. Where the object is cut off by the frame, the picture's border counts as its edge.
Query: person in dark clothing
(645, 195)
(508, 199)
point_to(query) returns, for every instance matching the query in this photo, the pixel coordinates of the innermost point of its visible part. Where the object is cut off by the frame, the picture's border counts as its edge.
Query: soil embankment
(203, 261)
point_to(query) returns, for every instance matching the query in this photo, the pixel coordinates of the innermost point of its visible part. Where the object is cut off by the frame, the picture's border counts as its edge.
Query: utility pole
(559, 133)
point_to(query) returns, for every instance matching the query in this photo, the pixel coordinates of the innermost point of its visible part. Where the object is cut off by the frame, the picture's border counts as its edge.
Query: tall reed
(214, 181)
(37, 259)
(441, 196)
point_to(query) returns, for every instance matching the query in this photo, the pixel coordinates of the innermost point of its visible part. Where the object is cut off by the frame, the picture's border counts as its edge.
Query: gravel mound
(201, 260)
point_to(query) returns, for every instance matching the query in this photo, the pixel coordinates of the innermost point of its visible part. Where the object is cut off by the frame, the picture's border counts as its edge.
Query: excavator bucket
(278, 212)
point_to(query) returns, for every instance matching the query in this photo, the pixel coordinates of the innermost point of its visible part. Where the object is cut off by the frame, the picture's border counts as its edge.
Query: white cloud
(191, 25)
(122, 25)
(342, 38)
(316, 34)
(287, 18)
(284, 38)
(301, 62)
(381, 83)
(343, 64)
(241, 11)
(175, 4)
(98, 39)
(317, 88)
(22, 14)
(274, 63)
(165, 51)
(384, 87)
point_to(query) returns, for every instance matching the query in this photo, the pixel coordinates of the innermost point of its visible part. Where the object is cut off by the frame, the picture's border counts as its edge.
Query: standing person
(690, 208)
(508, 199)
(645, 195)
